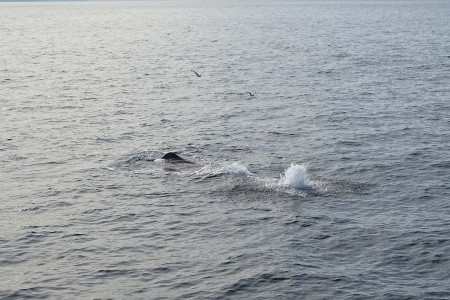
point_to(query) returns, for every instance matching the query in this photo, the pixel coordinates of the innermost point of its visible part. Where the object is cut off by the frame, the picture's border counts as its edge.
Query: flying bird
(198, 75)
(251, 94)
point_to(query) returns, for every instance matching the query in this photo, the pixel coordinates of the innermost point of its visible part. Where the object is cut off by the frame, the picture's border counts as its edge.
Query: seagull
(251, 94)
(198, 75)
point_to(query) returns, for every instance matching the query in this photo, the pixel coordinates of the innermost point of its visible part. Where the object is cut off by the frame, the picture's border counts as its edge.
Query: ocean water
(331, 182)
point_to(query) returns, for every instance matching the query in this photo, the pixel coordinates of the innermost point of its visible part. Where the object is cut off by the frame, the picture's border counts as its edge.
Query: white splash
(237, 169)
(294, 176)
(224, 168)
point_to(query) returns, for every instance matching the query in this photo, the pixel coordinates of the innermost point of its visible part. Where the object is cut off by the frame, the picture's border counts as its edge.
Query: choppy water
(332, 182)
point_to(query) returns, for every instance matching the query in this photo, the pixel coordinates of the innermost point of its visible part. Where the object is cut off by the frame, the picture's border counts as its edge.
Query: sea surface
(331, 182)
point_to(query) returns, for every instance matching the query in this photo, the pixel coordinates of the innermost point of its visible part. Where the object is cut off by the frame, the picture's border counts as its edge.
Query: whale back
(171, 156)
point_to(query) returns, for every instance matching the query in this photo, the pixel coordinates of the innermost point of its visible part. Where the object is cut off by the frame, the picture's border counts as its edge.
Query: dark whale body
(173, 157)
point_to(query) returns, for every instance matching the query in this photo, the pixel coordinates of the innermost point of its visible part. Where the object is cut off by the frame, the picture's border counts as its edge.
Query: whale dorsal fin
(172, 156)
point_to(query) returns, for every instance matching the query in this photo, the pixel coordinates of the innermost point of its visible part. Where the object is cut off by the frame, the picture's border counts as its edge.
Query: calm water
(331, 182)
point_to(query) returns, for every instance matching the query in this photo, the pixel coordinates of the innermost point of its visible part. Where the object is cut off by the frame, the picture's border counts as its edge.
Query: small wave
(441, 164)
(256, 281)
(134, 161)
(349, 143)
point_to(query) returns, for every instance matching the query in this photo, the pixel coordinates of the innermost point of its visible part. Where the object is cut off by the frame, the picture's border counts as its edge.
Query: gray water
(331, 182)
